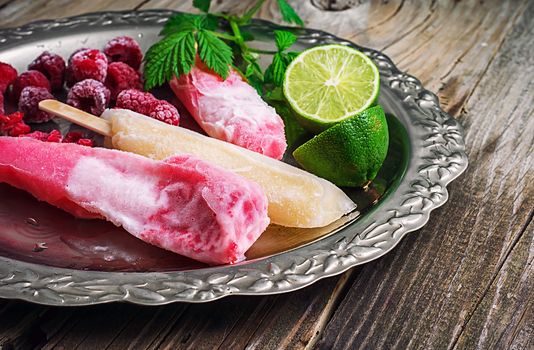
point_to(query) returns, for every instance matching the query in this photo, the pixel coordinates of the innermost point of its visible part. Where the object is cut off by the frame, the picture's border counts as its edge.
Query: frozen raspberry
(2, 111)
(9, 121)
(69, 78)
(145, 103)
(75, 52)
(89, 95)
(86, 64)
(38, 135)
(124, 49)
(19, 129)
(78, 138)
(29, 78)
(8, 74)
(164, 111)
(134, 100)
(72, 137)
(29, 104)
(121, 77)
(85, 142)
(52, 66)
(54, 136)
(13, 125)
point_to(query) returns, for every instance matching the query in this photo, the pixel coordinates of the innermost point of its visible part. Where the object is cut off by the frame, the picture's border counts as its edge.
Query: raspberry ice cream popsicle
(231, 110)
(182, 204)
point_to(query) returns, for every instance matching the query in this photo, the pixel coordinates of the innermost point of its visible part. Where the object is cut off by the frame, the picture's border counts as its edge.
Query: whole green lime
(349, 153)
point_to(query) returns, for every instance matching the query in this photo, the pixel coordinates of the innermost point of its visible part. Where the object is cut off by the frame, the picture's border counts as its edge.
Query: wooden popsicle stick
(76, 116)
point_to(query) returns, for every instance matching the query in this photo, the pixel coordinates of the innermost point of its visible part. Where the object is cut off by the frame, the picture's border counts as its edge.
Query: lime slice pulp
(327, 84)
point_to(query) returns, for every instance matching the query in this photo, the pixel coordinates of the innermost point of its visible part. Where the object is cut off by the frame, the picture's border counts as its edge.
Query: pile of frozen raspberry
(55, 136)
(95, 80)
(13, 125)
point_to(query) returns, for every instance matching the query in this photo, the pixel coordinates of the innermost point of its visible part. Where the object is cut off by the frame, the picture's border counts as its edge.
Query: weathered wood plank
(95, 329)
(523, 336)
(430, 287)
(20, 12)
(149, 327)
(238, 322)
(294, 321)
(4, 3)
(504, 319)
(16, 319)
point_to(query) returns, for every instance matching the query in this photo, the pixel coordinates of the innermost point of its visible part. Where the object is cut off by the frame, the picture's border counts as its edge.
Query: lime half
(349, 153)
(327, 84)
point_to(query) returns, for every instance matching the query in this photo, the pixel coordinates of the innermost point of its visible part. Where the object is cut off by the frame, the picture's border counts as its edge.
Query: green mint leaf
(276, 71)
(211, 22)
(284, 39)
(288, 13)
(249, 71)
(214, 52)
(279, 69)
(202, 5)
(180, 22)
(174, 55)
(268, 75)
(253, 67)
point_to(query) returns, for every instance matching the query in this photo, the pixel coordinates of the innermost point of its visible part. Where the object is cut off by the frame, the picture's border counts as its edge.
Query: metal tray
(91, 262)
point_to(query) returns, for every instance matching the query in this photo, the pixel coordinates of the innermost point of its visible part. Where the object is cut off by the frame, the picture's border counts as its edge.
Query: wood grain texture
(464, 281)
(20, 12)
(3, 3)
(504, 318)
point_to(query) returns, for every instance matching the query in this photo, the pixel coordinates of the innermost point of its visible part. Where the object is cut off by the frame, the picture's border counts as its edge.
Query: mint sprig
(276, 71)
(218, 41)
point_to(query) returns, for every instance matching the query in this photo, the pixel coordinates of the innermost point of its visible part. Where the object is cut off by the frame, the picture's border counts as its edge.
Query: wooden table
(466, 280)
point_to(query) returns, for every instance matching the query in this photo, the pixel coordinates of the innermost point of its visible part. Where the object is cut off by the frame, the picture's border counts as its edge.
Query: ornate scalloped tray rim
(438, 157)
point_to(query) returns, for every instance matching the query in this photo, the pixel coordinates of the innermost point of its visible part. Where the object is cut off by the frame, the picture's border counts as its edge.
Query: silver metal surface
(435, 156)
